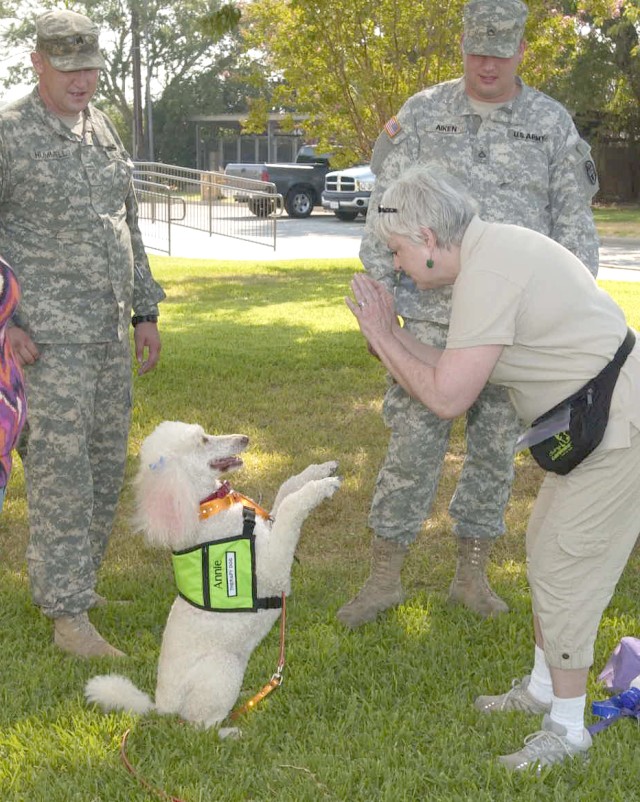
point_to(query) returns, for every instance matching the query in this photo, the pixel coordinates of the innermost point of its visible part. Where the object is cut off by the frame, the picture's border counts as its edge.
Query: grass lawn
(381, 714)
(618, 221)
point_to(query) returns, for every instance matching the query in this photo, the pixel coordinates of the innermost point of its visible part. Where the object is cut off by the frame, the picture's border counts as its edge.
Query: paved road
(324, 236)
(621, 258)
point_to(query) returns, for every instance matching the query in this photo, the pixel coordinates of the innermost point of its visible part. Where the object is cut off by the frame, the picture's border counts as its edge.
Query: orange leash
(277, 678)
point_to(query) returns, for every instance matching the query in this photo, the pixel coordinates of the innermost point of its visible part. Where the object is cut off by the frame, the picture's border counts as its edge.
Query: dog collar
(221, 492)
(220, 576)
(223, 498)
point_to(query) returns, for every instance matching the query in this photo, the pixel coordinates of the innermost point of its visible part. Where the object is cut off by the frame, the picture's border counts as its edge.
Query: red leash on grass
(274, 682)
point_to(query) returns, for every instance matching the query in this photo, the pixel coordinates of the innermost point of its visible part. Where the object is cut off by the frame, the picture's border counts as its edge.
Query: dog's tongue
(226, 463)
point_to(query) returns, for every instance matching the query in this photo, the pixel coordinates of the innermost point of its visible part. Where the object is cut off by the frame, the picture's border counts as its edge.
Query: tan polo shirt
(520, 289)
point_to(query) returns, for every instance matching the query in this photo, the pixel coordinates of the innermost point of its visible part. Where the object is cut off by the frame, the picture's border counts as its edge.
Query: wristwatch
(143, 319)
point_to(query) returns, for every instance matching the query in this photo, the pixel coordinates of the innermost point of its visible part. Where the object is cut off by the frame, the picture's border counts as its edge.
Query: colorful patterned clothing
(12, 397)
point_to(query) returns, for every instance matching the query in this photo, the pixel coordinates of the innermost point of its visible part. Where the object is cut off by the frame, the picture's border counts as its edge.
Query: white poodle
(182, 504)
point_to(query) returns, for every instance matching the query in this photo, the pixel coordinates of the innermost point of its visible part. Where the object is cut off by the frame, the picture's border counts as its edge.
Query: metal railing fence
(212, 202)
(154, 214)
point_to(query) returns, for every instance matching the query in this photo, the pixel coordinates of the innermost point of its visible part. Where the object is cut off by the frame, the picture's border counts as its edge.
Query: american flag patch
(393, 127)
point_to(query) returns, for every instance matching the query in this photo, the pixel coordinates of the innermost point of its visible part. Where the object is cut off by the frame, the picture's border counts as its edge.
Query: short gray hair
(425, 197)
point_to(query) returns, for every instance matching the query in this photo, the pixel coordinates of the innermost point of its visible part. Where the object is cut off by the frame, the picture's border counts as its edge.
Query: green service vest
(220, 576)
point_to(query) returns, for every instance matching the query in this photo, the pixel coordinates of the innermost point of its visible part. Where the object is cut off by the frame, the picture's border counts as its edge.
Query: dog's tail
(114, 692)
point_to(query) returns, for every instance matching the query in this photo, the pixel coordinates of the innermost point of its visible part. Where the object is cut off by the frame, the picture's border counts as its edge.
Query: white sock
(570, 714)
(540, 686)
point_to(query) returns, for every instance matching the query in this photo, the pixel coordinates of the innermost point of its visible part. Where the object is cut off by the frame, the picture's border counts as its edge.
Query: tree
(601, 80)
(345, 63)
(225, 87)
(350, 64)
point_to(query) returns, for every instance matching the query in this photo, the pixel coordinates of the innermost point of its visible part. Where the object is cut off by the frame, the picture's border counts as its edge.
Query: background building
(219, 140)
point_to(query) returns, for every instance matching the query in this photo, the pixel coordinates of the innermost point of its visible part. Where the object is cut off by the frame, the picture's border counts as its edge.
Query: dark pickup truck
(300, 184)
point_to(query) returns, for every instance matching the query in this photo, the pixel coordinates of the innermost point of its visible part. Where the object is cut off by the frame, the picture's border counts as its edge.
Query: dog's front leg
(276, 552)
(294, 483)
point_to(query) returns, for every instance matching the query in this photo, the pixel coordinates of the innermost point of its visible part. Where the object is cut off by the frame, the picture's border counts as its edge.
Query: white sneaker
(547, 746)
(517, 698)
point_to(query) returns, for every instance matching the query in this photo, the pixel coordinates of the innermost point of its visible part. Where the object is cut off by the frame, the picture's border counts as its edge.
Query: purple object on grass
(623, 666)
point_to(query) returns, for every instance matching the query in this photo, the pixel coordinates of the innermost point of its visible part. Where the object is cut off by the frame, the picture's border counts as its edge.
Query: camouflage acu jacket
(524, 164)
(68, 226)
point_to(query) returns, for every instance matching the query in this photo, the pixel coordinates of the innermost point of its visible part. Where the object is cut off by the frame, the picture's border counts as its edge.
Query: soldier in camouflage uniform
(521, 156)
(68, 224)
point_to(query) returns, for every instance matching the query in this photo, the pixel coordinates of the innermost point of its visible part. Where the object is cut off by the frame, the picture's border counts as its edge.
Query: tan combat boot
(470, 586)
(383, 589)
(77, 635)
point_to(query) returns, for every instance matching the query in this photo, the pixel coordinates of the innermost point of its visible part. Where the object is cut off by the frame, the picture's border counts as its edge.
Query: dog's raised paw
(324, 469)
(330, 484)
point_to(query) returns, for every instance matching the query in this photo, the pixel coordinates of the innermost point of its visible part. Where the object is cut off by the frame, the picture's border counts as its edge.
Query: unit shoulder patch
(592, 175)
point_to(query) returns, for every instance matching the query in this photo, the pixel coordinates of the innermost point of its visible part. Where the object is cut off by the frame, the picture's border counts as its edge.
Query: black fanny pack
(581, 419)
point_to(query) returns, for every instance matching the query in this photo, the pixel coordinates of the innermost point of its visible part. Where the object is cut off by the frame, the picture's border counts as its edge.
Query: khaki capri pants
(580, 535)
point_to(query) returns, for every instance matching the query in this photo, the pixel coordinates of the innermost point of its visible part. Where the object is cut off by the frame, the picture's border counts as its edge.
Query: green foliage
(551, 38)
(601, 79)
(224, 87)
(381, 714)
(220, 22)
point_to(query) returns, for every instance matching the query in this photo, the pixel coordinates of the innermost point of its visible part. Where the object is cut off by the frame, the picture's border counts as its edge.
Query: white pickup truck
(346, 192)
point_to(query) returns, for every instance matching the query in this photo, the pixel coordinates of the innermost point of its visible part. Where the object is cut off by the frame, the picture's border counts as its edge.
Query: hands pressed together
(373, 308)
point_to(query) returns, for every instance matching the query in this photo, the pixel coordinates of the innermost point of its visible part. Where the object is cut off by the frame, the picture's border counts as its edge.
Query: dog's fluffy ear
(167, 508)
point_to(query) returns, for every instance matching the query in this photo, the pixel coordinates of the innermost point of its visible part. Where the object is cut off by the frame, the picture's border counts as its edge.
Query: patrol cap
(493, 27)
(69, 40)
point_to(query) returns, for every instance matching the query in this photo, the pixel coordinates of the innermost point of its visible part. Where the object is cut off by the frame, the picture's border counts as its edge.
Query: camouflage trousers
(408, 480)
(74, 449)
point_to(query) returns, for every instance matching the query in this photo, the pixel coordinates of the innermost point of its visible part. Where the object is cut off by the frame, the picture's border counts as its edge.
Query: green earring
(429, 263)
